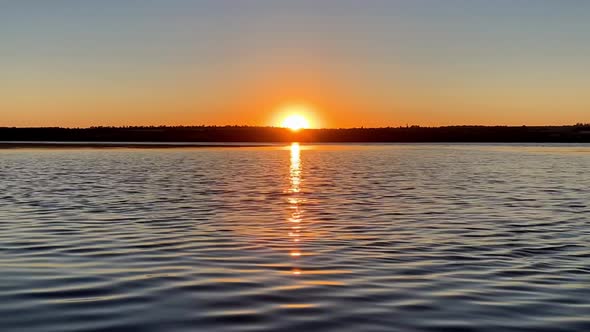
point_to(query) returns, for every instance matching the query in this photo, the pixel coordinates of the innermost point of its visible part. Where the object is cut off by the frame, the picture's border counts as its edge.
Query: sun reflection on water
(295, 201)
(295, 171)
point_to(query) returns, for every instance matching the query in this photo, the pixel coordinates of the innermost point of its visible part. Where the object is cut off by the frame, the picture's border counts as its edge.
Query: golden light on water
(295, 200)
(295, 173)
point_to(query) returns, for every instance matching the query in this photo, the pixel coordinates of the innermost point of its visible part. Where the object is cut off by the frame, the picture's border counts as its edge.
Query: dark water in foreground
(310, 238)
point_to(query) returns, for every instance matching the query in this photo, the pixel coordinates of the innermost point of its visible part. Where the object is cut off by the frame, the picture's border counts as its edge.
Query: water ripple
(316, 238)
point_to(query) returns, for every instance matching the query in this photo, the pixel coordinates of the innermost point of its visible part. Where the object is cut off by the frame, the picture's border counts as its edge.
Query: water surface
(298, 238)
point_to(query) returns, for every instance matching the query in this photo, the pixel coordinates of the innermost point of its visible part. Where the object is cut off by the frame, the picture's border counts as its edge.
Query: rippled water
(300, 238)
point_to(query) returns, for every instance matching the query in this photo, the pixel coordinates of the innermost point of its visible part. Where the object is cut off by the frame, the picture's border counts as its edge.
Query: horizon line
(578, 124)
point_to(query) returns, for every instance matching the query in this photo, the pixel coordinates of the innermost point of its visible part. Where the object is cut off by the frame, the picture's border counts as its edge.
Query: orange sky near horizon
(257, 93)
(330, 108)
(338, 100)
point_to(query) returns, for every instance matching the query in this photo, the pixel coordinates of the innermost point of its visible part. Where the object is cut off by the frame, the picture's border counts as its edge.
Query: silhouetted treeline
(576, 133)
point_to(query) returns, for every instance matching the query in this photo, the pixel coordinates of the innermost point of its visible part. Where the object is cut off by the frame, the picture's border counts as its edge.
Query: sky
(351, 63)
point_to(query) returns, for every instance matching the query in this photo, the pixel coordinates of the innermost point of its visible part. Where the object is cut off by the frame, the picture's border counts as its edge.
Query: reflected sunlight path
(295, 219)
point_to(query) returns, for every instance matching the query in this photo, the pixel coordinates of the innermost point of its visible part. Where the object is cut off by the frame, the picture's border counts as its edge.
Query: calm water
(300, 238)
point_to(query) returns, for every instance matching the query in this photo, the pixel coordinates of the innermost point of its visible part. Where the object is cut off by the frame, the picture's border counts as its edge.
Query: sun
(295, 122)
(296, 116)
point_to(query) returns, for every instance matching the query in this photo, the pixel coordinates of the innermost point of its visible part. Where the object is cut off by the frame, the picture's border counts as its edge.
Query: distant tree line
(576, 133)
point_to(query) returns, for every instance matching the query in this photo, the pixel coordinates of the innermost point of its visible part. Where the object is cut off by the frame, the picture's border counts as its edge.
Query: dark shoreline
(202, 136)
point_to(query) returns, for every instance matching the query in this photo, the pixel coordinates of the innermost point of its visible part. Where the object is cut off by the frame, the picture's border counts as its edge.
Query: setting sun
(296, 116)
(295, 122)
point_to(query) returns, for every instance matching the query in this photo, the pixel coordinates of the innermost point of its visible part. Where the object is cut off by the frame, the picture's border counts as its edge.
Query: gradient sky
(358, 63)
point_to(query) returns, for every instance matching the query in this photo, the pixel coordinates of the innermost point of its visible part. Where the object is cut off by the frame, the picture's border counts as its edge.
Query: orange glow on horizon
(296, 116)
(295, 122)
